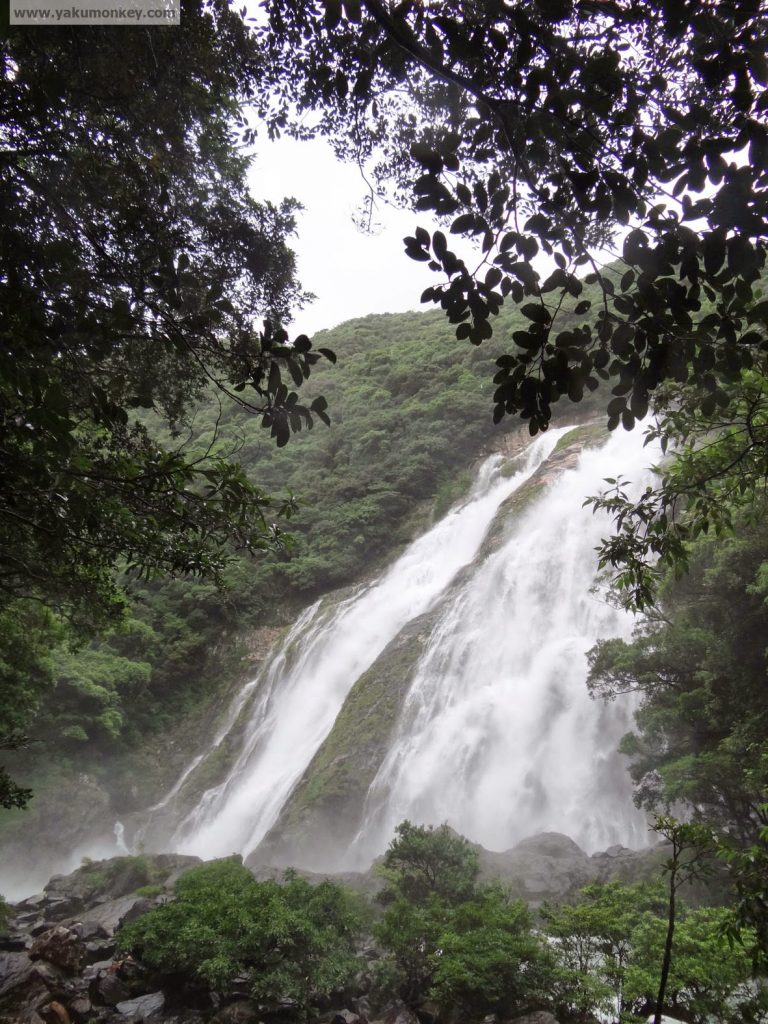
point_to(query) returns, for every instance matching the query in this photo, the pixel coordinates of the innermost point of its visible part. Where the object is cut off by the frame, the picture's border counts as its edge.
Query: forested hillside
(409, 414)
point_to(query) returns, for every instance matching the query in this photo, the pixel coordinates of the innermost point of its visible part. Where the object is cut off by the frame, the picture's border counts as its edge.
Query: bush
(489, 961)
(450, 941)
(290, 941)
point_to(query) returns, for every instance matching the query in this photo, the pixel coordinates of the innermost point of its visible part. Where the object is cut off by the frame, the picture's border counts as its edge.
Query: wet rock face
(56, 963)
(549, 866)
(59, 964)
(61, 947)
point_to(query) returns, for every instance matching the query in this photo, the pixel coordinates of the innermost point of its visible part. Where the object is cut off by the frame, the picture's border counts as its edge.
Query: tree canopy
(137, 271)
(610, 141)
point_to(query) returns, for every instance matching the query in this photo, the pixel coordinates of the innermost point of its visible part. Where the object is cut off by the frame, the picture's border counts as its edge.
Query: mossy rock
(325, 806)
(564, 456)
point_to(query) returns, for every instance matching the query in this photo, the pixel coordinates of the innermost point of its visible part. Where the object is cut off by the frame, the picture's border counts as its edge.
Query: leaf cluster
(608, 949)
(542, 129)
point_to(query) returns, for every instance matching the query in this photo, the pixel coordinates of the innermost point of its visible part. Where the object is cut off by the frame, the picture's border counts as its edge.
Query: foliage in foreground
(701, 729)
(449, 943)
(289, 941)
(564, 127)
(136, 268)
(609, 947)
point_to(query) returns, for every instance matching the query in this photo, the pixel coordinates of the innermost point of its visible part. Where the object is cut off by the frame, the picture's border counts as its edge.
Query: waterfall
(498, 736)
(294, 705)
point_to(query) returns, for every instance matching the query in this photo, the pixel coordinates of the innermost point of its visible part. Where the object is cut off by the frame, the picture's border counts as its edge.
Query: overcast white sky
(351, 273)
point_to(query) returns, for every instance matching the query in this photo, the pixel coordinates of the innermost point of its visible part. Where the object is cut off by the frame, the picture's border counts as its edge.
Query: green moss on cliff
(344, 767)
(587, 435)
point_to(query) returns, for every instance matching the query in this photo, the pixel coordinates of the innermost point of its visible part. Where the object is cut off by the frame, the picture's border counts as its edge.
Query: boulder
(138, 909)
(56, 1013)
(32, 903)
(549, 866)
(90, 929)
(108, 989)
(80, 1009)
(538, 1017)
(109, 916)
(14, 942)
(99, 950)
(142, 1007)
(23, 987)
(60, 946)
(16, 969)
(241, 1012)
(346, 1017)
(57, 980)
(398, 1013)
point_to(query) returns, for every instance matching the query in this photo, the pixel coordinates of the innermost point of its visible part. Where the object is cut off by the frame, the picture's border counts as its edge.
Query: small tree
(424, 862)
(692, 845)
(451, 941)
(593, 943)
(489, 961)
(708, 978)
(429, 871)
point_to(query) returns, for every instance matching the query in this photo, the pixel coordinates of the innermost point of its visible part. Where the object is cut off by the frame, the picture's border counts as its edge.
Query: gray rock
(539, 1017)
(361, 1006)
(346, 1017)
(66, 907)
(549, 866)
(14, 942)
(32, 902)
(61, 946)
(16, 969)
(99, 950)
(239, 986)
(107, 989)
(241, 1012)
(110, 915)
(399, 1013)
(55, 979)
(142, 1007)
(94, 970)
(81, 1009)
(139, 908)
(90, 929)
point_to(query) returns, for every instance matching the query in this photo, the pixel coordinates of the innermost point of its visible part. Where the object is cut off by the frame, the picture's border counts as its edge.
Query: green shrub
(489, 961)
(449, 941)
(290, 941)
(150, 890)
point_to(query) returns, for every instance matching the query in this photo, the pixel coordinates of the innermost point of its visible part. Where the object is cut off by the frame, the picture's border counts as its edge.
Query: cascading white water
(498, 735)
(325, 653)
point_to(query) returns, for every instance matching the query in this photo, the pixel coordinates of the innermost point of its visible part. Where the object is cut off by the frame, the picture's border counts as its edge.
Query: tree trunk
(667, 960)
